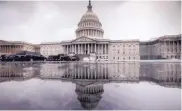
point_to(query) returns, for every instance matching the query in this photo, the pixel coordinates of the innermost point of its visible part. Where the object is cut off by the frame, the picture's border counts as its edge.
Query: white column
(170, 46)
(167, 45)
(174, 47)
(105, 48)
(98, 48)
(80, 47)
(88, 32)
(66, 49)
(92, 33)
(101, 48)
(75, 49)
(177, 46)
(88, 48)
(84, 49)
(70, 48)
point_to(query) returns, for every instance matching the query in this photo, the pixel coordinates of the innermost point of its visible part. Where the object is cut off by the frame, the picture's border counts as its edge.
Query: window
(129, 58)
(118, 51)
(118, 58)
(113, 57)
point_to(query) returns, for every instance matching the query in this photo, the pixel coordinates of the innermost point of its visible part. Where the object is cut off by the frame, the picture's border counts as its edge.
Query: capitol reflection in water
(90, 78)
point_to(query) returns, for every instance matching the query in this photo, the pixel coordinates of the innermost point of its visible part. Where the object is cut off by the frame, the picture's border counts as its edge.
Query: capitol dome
(89, 25)
(90, 95)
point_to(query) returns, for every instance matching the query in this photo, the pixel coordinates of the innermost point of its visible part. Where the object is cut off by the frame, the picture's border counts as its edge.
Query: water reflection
(91, 77)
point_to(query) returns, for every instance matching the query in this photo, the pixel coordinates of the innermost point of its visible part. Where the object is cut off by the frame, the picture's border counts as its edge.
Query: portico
(86, 45)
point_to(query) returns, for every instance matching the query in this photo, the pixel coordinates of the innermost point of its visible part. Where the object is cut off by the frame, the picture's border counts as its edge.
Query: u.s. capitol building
(90, 40)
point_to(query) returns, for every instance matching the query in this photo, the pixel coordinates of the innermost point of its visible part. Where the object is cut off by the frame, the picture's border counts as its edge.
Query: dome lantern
(89, 6)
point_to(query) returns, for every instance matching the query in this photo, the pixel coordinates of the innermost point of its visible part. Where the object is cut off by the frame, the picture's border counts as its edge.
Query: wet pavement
(99, 86)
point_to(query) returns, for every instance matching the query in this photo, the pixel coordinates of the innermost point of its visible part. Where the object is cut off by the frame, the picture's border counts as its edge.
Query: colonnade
(98, 72)
(9, 49)
(172, 46)
(172, 49)
(86, 48)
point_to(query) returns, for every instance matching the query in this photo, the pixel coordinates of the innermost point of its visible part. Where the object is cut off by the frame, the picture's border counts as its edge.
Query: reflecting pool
(99, 86)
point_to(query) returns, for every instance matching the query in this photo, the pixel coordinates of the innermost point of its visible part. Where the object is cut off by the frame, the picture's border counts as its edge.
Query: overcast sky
(38, 22)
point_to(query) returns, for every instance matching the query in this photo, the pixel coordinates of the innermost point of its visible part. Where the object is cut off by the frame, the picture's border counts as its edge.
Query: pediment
(84, 39)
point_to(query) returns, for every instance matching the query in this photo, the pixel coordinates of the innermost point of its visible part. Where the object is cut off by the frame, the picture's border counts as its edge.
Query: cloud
(38, 22)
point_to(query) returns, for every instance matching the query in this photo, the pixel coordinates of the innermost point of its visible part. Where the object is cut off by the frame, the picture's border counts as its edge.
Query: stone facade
(165, 47)
(12, 47)
(124, 50)
(47, 49)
